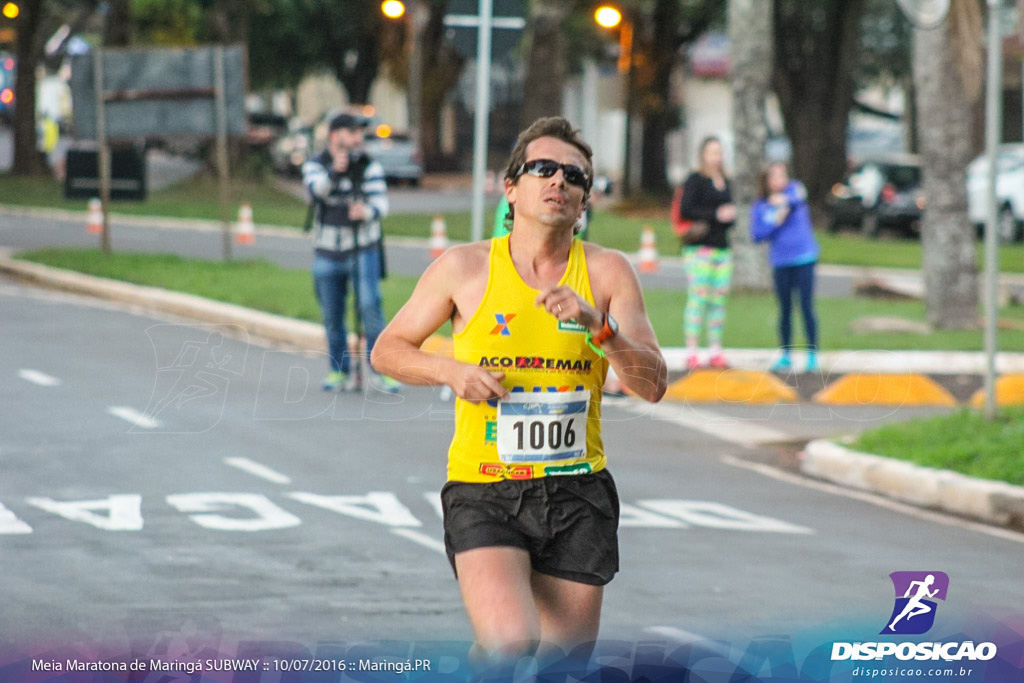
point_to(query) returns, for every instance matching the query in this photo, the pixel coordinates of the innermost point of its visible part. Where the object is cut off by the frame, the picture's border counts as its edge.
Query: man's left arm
(633, 351)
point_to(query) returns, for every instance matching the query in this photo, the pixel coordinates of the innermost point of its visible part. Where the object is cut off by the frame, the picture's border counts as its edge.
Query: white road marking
(632, 516)
(133, 416)
(10, 524)
(434, 498)
(260, 513)
(382, 507)
(711, 515)
(257, 470)
(123, 512)
(874, 499)
(421, 538)
(724, 427)
(38, 378)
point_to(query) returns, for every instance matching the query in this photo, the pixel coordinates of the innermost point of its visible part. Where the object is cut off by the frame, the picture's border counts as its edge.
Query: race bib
(543, 426)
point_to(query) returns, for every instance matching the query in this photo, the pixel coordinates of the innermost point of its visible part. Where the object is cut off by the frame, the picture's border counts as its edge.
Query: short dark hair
(549, 127)
(349, 121)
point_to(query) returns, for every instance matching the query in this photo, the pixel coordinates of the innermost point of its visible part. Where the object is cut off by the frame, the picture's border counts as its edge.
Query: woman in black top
(707, 197)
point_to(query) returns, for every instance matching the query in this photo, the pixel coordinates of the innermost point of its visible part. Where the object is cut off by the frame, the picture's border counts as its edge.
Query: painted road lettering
(250, 512)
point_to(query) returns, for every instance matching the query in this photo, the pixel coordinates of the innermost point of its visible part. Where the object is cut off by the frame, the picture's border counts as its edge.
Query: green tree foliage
(289, 38)
(280, 50)
(884, 52)
(166, 22)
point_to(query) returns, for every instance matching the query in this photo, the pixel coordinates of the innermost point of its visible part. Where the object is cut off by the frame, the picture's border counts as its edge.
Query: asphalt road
(167, 480)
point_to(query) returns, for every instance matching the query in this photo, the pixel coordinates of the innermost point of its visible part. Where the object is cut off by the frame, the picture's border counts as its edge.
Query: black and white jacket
(332, 193)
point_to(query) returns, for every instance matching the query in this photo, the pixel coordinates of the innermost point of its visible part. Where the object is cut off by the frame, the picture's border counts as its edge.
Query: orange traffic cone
(94, 223)
(438, 236)
(245, 231)
(648, 251)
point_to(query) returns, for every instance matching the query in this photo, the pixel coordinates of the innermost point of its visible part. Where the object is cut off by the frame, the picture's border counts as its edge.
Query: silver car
(1009, 192)
(397, 154)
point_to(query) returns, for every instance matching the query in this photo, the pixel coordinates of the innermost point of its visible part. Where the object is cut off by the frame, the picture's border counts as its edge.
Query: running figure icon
(916, 596)
(915, 607)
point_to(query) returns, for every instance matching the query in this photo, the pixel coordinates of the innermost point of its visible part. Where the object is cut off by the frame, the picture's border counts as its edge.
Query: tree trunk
(27, 158)
(653, 77)
(117, 29)
(545, 60)
(442, 66)
(944, 114)
(816, 49)
(357, 69)
(750, 32)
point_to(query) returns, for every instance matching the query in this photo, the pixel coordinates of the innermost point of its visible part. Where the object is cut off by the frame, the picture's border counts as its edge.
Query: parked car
(877, 195)
(397, 154)
(264, 129)
(291, 150)
(1009, 192)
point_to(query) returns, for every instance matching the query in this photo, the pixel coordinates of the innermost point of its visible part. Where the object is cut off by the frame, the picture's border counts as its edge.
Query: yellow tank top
(551, 423)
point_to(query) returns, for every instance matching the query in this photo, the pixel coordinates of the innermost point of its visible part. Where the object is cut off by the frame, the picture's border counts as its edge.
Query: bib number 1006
(543, 427)
(541, 435)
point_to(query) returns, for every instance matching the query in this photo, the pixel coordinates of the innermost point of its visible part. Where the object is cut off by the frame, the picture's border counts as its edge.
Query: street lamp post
(993, 134)
(484, 23)
(415, 16)
(611, 17)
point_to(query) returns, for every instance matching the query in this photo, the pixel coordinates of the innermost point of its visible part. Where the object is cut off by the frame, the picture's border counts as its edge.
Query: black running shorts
(568, 524)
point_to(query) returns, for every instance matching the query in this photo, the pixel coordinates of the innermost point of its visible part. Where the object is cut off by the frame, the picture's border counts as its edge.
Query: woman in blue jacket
(781, 217)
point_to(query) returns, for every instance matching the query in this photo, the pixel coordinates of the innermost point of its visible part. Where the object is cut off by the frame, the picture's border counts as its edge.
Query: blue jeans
(331, 279)
(800, 278)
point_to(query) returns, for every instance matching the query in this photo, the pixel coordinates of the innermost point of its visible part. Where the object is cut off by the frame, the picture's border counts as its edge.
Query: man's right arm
(316, 178)
(397, 351)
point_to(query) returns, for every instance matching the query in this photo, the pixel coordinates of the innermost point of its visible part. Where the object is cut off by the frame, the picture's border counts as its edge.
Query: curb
(298, 333)
(988, 501)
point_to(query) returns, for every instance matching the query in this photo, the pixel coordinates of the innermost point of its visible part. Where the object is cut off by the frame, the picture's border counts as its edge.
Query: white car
(1009, 192)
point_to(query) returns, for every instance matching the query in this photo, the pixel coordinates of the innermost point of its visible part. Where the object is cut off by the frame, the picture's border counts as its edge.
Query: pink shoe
(718, 361)
(693, 362)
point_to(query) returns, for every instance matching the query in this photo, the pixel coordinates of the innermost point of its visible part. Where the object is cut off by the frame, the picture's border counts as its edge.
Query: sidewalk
(848, 377)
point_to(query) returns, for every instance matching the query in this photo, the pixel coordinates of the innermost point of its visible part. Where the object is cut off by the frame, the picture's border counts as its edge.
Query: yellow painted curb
(441, 346)
(731, 386)
(1009, 392)
(884, 389)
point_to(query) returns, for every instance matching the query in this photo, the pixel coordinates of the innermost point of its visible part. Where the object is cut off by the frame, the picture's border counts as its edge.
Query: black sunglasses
(545, 168)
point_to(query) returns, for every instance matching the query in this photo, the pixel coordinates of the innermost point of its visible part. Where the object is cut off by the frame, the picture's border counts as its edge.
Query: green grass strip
(963, 442)
(750, 319)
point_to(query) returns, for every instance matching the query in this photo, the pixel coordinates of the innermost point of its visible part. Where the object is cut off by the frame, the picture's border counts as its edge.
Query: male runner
(531, 513)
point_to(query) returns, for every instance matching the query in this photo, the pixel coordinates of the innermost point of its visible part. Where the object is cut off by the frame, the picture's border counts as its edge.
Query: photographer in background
(349, 196)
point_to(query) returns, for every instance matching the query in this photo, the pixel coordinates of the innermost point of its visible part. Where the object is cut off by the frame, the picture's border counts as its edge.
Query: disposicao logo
(913, 614)
(916, 593)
